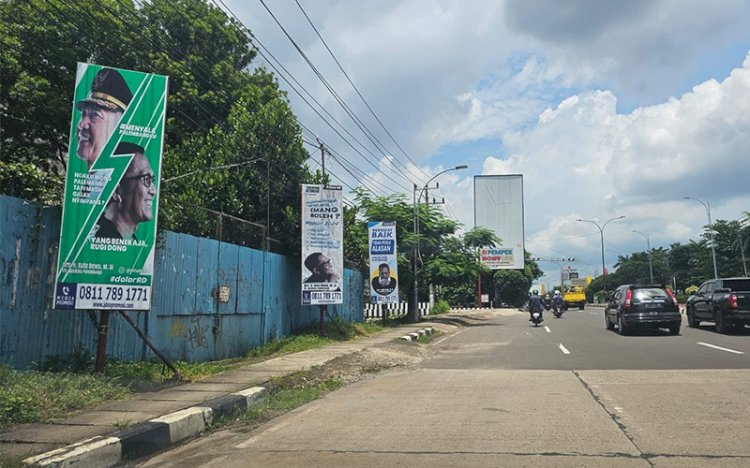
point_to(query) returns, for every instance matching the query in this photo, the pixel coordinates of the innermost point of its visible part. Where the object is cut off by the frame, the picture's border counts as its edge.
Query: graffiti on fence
(197, 335)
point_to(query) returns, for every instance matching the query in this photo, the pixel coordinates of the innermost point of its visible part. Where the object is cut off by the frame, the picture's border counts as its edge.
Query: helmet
(535, 292)
(557, 292)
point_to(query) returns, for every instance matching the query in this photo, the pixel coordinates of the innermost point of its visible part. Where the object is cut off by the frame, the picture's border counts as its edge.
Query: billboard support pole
(479, 278)
(322, 326)
(101, 345)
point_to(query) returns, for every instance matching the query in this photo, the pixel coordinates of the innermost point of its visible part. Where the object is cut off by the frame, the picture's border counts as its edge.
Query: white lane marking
(449, 336)
(563, 348)
(547, 328)
(618, 409)
(593, 313)
(720, 348)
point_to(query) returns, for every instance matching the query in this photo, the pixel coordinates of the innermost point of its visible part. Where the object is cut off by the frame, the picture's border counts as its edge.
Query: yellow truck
(574, 296)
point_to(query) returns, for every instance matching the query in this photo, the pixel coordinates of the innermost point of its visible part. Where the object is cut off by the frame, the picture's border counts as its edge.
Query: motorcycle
(536, 317)
(557, 310)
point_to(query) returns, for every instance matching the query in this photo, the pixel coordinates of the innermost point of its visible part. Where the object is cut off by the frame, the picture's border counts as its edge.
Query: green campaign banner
(108, 234)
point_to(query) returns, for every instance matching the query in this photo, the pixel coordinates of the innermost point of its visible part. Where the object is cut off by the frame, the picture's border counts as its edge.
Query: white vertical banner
(498, 205)
(383, 262)
(322, 245)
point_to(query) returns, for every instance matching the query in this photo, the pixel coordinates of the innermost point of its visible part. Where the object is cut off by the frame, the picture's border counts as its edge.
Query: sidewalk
(148, 422)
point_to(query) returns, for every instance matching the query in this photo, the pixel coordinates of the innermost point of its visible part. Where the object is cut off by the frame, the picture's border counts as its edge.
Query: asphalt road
(579, 340)
(503, 393)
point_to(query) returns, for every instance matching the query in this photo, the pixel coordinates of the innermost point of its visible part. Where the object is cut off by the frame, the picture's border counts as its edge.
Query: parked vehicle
(724, 301)
(634, 305)
(574, 297)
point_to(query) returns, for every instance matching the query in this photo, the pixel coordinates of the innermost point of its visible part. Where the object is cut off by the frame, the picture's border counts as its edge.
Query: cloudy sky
(607, 108)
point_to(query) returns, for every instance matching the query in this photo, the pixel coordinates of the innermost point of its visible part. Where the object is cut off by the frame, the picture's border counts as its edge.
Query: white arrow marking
(547, 328)
(720, 348)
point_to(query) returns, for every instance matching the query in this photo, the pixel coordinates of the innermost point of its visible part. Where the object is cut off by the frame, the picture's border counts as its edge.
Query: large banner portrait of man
(108, 232)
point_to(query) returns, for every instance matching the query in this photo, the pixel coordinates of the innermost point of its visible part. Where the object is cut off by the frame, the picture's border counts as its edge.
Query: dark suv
(632, 305)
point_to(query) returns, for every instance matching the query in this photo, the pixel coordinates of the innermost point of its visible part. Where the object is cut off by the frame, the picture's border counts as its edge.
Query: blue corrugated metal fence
(186, 321)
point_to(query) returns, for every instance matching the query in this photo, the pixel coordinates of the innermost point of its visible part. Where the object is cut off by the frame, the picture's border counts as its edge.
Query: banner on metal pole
(108, 233)
(383, 262)
(322, 245)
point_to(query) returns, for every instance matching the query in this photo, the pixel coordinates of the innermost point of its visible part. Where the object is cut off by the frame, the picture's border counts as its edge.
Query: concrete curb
(148, 437)
(151, 436)
(414, 336)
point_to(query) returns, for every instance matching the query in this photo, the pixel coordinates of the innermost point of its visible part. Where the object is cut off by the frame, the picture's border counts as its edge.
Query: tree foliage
(684, 265)
(232, 143)
(445, 259)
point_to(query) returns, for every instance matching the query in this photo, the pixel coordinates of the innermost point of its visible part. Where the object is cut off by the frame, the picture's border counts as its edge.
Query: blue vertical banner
(322, 245)
(383, 262)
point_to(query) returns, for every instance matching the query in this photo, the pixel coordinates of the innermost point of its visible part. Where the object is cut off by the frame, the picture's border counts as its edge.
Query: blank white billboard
(498, 205)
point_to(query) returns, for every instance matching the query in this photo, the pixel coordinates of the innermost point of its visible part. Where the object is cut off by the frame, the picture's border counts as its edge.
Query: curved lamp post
(414, 314)
(707, 206)
(648, 244)
(601, 233)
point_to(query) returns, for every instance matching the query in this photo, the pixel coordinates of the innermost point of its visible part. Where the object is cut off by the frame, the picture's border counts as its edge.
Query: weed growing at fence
(38, 396)
(33, 396)
(309, 338)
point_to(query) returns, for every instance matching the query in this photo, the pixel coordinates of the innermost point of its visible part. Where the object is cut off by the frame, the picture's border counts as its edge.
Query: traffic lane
(702, 413)
(510, 342)
(431, 417)
(592, 346)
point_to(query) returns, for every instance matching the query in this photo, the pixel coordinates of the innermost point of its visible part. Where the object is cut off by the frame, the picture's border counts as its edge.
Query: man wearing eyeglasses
(321, 268)
(132, 200)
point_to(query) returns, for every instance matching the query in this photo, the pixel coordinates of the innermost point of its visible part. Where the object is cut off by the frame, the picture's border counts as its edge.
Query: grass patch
(10, 461)
(63, 384)
(287, 394)
(423, 339)
(33, 396)
(310, 338)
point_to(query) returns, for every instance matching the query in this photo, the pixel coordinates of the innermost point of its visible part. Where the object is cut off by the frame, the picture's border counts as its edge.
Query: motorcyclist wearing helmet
(535, 305)
(557, 300)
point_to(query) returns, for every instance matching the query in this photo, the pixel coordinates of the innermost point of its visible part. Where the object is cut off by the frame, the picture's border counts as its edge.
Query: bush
(440, 307)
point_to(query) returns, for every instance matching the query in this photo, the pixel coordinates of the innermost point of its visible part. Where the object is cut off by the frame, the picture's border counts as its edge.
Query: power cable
(305, 100)
(370, 136)
(357, 90)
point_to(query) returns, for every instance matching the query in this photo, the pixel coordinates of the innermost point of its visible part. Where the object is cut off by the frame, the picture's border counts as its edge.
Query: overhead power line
(424, 174)
(368, 134)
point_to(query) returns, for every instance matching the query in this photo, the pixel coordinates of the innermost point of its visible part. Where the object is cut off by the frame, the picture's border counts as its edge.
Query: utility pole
(322, 156)
(413, 315)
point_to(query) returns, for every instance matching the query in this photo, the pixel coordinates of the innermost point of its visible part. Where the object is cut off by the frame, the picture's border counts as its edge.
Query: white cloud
(607, 108)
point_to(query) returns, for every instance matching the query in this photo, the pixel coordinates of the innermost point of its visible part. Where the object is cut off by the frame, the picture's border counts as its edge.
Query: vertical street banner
(383, 262)
(322, 245)
(108, 233)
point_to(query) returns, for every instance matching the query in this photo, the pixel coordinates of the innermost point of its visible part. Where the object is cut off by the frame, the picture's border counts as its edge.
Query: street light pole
(414, 314)
(707, 206)
(601, 234)
(648, 244)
